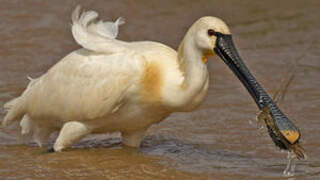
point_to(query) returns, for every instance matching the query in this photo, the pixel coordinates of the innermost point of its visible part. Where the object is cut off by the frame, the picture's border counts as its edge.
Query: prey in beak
(281, 129)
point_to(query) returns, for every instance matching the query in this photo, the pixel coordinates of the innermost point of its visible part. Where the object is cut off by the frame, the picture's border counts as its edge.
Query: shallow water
(218, 141)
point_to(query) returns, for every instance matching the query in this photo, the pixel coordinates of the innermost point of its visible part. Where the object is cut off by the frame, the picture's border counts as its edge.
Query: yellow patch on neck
(206, 55)
(291, 136)
(204, 59)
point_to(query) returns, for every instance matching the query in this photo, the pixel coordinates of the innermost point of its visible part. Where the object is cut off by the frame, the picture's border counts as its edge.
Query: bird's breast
(152, 83)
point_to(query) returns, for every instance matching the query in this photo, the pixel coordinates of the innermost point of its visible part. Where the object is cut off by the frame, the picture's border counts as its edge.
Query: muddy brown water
(218, 141)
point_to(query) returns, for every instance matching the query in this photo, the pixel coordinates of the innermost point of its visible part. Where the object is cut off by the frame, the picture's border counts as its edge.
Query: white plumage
(111, 85)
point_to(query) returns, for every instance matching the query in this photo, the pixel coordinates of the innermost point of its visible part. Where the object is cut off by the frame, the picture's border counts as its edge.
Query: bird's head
(211, 36)
(206, 32)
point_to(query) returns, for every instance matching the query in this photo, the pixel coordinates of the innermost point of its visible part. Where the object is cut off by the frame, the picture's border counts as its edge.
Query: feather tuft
(107, 29)
(99, 36)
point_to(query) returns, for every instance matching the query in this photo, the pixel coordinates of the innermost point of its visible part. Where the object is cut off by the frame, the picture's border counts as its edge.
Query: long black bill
(284, 132)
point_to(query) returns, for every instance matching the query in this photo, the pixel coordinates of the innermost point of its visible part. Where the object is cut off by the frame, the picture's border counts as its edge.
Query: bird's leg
(40, 135)
(69, 134)
(289, 171)
(26, 125)
(132, 139)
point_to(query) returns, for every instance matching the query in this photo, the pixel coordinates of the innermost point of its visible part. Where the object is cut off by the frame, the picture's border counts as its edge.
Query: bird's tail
(16, 107)
(15, 111)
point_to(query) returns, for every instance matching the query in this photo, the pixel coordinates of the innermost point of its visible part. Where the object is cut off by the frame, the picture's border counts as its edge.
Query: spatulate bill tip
(292, 136)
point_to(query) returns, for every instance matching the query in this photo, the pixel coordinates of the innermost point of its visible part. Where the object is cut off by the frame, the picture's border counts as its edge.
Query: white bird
(110, 85)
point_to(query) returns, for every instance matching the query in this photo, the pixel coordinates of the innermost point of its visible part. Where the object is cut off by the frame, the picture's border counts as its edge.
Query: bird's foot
(51, 150)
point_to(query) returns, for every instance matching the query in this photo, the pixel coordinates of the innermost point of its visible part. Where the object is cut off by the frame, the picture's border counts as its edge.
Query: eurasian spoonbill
(110, 85)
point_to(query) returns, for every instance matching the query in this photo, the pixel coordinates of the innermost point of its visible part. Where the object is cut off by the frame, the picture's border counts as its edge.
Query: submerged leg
(41, 135)
(133, 139)
(26, 125)
(69, 134)
(289, 171)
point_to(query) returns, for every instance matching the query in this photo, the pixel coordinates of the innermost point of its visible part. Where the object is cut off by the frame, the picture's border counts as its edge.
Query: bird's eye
(212, 32)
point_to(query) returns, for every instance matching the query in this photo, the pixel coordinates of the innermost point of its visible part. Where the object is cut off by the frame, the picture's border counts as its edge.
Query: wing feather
(98, 36)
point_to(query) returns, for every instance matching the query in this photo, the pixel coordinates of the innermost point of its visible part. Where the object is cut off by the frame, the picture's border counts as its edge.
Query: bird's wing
(98, 36)
(83, 86)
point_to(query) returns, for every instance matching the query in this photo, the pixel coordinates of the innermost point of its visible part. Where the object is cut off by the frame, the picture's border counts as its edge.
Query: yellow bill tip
(291, 136)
